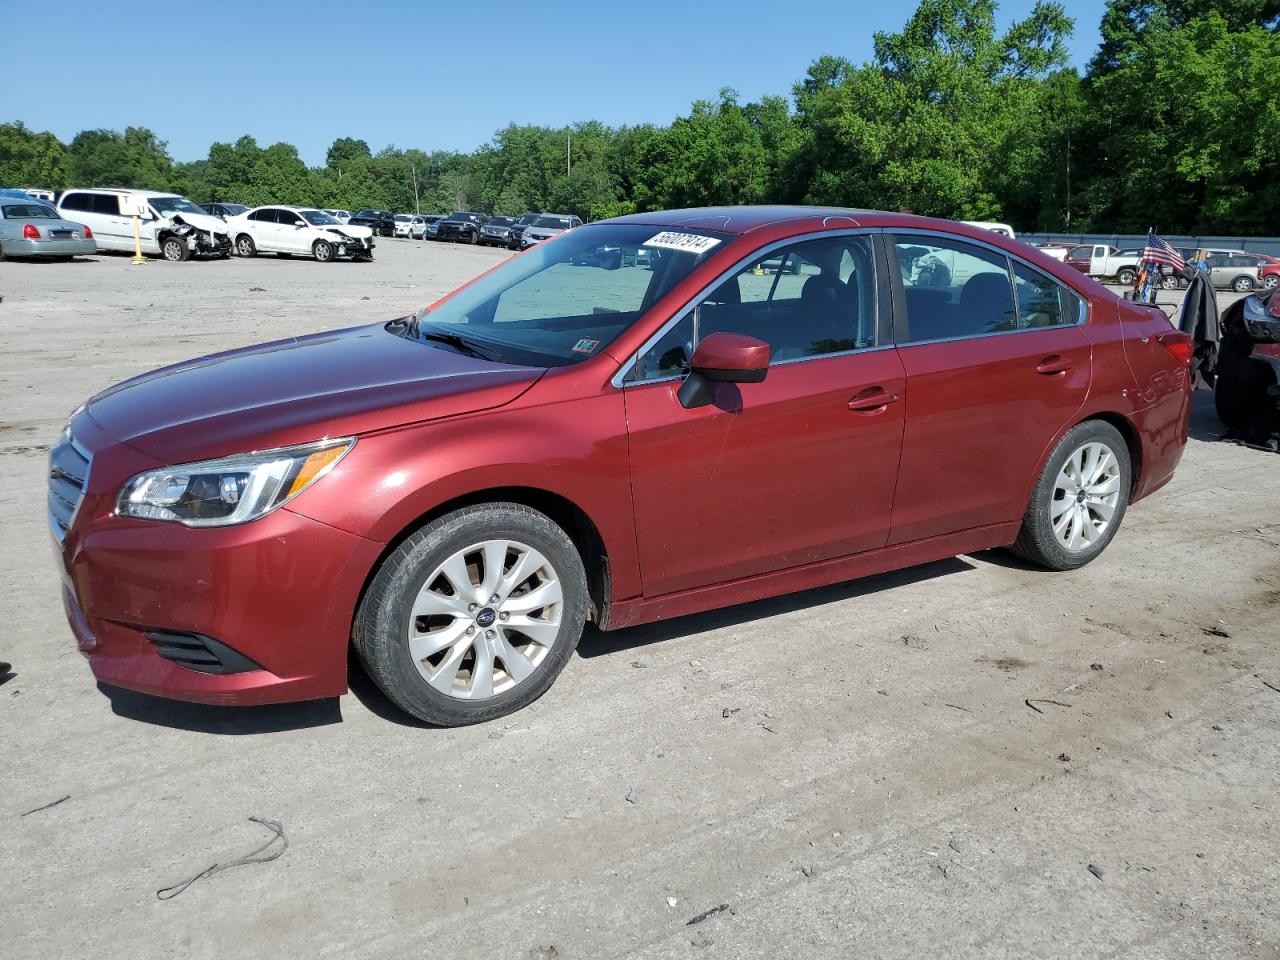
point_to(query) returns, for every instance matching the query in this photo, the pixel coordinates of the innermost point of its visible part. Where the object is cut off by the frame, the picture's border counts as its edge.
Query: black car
(517, 229)
(497, 231)
(462, 226)
(224, 210)
(381, 222)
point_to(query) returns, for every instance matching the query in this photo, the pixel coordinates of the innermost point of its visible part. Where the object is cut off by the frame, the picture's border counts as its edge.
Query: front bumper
(204, 242)
(456, 235)
(279, 591)
(50, 248)
(499, 239)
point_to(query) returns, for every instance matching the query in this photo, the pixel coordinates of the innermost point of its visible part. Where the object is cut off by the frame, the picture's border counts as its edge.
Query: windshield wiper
(452, 339)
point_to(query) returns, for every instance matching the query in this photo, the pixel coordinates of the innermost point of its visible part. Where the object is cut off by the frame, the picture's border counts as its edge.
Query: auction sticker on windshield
(686, 242)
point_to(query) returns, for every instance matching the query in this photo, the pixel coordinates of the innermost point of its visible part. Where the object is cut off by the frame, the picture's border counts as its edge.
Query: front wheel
(245, 246)
(1079, 500)
(474, 615)
(323, 251)
(1169, 282)
(1242, 284)
(175, 249)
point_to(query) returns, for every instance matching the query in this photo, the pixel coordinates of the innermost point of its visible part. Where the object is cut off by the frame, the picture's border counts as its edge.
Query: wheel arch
(1132, 441)
(569, 516)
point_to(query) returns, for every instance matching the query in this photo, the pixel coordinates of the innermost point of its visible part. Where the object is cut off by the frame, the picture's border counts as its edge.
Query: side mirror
(723, 358)
(299, 223)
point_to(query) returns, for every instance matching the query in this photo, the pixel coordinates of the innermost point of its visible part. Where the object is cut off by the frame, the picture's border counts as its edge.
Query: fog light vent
(197, 652)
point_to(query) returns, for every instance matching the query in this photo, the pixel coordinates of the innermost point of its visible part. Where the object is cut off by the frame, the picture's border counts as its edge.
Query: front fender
(576, 450)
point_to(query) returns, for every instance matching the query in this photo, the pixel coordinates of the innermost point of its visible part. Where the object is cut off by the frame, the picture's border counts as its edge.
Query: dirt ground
(853, 771)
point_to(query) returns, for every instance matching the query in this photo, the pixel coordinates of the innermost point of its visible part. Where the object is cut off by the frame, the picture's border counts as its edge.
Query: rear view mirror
(723, 358)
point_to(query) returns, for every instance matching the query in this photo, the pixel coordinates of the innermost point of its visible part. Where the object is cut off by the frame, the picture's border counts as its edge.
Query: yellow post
(137, 242)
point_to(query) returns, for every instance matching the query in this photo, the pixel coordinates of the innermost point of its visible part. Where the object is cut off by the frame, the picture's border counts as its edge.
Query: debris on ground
(47, 805)
(1096, 871)
(1269, 685)
(672, 901)
(728, 712)
(6, 672)
(1032, 704)
(632, 795)
(257, 856)
(639, 664)
(1064, 757)
(1095, 666)
(1215, 632)
(257, 289)
(809, 872)
(956, 706)
(708, 915)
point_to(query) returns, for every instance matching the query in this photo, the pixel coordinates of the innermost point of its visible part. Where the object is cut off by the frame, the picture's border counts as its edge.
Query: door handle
(871, 400)
(1053, 365)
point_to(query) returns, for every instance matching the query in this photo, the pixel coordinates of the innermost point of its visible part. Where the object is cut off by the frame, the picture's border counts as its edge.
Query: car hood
(351, 230)
(202, 221)
(338, 383)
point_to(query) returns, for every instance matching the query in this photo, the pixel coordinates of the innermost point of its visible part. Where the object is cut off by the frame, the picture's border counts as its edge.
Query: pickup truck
(1105, 262)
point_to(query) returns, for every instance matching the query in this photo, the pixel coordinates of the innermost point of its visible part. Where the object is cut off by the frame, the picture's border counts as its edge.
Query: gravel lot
(853, 770)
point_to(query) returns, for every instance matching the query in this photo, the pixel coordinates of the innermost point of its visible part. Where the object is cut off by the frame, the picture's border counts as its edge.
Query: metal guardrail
(1267, 245)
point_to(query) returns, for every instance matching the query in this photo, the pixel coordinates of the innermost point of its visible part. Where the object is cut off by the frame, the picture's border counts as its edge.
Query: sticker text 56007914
(686, 242)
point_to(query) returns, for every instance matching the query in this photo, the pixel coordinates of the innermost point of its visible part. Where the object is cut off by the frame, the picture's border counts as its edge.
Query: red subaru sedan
(642, 418)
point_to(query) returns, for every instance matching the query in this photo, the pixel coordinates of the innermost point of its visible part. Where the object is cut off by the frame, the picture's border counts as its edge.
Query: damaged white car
(298, 231)
(168, 225)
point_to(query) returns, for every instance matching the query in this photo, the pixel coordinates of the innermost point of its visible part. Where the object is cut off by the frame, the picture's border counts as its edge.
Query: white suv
(173, 227)
(286, 231)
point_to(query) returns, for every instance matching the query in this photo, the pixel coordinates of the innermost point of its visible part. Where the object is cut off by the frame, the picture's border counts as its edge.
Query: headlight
(220, 493)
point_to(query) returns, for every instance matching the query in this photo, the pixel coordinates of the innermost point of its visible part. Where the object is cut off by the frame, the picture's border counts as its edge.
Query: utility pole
(417, 208)
(568, 154)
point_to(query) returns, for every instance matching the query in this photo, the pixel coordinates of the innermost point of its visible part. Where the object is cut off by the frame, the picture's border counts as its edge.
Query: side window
(260, 216)
(106, 203)
(78, 201)
(953, 289)
(1041, 301)
(806, 300)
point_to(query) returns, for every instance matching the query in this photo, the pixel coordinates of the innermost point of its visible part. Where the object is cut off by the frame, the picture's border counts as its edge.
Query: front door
(796, 469)
(995, 368)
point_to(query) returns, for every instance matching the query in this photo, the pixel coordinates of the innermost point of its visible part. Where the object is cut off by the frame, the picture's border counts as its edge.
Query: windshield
(403, 218)
(168, 206)
(29, 211)
(367, 213)
(565, 301)
(553, 223)
(319, 218)
(500, 222)
(527, 219)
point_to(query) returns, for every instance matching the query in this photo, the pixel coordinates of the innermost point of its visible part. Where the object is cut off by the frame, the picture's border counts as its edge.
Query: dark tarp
(1200, 320)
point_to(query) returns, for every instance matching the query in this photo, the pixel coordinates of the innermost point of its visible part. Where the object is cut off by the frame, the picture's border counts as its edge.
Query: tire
(1170, 282)
(322, 250)
(1054, 509)
(174, 249)
(1242, 284)
(441, 687)
(245, 246)
(1271, 282)
(1231, 402)
(1125, 276)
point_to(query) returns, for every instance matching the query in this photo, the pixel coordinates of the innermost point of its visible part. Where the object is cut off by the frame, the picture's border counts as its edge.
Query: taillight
(1179, 348)
(29, 232)
(88, 233)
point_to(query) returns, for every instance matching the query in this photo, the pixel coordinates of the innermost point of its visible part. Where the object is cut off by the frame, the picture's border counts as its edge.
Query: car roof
(741, 220)
(140, 193)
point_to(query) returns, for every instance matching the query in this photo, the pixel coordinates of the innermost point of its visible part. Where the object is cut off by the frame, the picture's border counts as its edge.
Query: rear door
(796, 469)
(995, 368)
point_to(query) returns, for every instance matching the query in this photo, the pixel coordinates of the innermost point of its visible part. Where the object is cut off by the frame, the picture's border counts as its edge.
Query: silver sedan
(32, 228)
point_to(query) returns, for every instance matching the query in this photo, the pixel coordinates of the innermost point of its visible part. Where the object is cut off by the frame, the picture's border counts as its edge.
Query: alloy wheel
(485, 619)
(1086, 494)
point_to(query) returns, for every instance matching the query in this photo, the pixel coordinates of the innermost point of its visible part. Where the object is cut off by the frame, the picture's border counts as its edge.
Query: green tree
(136, 158)
(30, 159)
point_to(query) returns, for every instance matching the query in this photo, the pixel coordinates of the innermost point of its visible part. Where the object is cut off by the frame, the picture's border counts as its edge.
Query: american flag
(1157, 251)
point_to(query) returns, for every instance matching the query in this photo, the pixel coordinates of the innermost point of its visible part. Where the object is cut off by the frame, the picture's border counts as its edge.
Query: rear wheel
(1079, 500)
(323, 251)
(1169, 282)
(1242, 284)
(474, 615)
(1271, 282)
(245, 246)
(1125, 276)
(174, 249)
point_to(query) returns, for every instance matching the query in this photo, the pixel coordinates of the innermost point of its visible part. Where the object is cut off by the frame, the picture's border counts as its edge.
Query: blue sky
(419, 74)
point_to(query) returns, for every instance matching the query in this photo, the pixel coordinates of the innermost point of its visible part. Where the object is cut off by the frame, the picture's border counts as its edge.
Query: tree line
(1175, 122)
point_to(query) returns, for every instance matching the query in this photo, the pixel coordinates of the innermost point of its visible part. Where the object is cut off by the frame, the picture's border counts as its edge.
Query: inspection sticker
(586, 345)
(687, 242)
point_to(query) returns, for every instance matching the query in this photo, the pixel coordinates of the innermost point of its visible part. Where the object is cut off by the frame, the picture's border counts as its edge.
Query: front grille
(198, 652)
(68, 473)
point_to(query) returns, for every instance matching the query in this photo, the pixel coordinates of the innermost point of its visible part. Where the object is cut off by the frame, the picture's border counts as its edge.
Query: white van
(1001, 228)
(172, 226)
